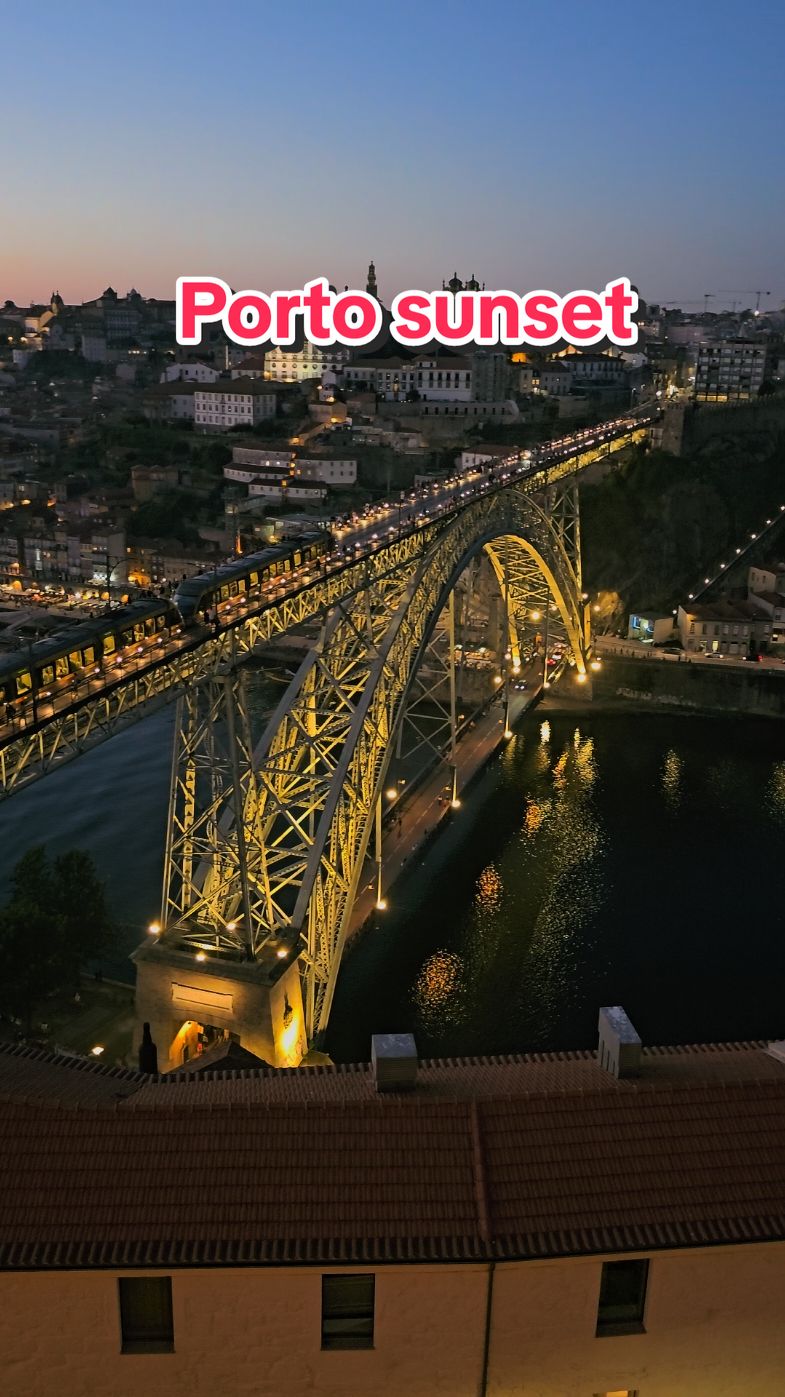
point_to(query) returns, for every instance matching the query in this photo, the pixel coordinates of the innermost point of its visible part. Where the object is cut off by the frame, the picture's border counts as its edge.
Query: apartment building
(233, 403)
(76, 551)
(556, 378)
(729, 371)
(247, 463)
(723, 627)
(435, 378)
(170, 402)
(330, 470)
(252, 366)
(187, 372)
(280, 488)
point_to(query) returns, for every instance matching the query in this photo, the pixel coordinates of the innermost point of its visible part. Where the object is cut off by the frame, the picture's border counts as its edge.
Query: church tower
(370, 285)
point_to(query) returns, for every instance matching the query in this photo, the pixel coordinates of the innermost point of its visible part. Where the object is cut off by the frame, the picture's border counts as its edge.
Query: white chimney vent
(394, 1060)
(619, 1049)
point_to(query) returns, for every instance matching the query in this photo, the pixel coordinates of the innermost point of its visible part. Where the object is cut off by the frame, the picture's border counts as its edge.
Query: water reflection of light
(672, 773)
(545, 731)
(560, 769)
(438, 993)
(535, 814)
(489, 889)
(584, 762)
(576, 761)
(775, 792)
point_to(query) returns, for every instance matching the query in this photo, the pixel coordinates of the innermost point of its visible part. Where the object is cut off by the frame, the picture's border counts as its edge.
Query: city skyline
(636, 149)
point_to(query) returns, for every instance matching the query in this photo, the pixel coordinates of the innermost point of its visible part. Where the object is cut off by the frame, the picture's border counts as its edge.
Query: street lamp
(109, 572)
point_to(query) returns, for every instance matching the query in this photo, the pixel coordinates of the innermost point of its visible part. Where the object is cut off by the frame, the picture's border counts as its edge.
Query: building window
(347, 1311)
(622, 1297)
(146, 1314)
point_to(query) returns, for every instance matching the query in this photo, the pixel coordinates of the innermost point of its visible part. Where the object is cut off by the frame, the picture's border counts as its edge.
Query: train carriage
(198, 597)
(45, 667)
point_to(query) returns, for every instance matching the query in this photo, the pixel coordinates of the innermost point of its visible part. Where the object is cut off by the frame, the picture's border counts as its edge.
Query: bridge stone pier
(191, 1004)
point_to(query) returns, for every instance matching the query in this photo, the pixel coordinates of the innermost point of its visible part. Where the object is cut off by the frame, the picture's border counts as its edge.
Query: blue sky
(553, 145)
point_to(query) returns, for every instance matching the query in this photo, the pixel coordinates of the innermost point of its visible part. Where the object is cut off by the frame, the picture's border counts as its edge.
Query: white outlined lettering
(354, 318)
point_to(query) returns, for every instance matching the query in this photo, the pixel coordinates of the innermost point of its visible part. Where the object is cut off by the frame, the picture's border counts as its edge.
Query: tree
(55, 920)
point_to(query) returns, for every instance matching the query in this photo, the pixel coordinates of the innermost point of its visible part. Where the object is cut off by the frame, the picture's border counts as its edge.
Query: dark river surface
(619, 858)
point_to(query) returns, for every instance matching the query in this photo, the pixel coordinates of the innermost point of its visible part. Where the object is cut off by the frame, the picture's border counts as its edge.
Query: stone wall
(707, 687)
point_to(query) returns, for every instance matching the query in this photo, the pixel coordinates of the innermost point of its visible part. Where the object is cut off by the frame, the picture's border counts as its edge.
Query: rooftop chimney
(394, 1060)
(619, 1048)
(148, 1053)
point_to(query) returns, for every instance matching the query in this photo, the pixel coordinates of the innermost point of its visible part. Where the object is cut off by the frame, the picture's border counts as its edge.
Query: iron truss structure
(60, 736)
(266, 848)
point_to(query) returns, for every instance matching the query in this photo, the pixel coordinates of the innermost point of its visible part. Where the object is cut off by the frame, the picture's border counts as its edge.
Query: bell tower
(370, 285)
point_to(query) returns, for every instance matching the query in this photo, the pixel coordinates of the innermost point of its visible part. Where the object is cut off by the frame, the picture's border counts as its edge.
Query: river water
(632, 859)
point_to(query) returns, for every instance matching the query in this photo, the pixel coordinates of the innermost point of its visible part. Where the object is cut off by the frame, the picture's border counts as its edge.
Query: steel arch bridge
(269, 862)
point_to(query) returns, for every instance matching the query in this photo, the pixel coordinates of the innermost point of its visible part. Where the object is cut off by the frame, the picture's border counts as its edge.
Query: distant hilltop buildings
(708, 358)
(102, 330)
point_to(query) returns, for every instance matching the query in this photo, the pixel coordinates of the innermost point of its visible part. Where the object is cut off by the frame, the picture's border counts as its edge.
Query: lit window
(146, 1314)
(622, 1297)
(347, 1311)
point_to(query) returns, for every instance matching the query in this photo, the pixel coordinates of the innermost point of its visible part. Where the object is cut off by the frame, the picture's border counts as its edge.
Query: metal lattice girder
(425, 724)
(157, 679)
(211, 789)
(106, 710)
(319, 771)
(564, 512)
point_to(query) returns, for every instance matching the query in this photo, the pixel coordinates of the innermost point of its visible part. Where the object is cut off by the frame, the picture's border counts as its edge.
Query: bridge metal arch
(312, 789)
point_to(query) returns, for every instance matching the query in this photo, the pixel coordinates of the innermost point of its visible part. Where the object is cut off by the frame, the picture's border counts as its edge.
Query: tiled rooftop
(519, 1157)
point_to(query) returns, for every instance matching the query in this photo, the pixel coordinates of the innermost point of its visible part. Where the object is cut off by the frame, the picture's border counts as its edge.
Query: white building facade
(434, 379)
(233, 403)
(553, 1225)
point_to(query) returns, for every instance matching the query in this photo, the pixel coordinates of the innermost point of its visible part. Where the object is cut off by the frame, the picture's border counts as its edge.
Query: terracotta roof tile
(514, 1157)
(37, 1074)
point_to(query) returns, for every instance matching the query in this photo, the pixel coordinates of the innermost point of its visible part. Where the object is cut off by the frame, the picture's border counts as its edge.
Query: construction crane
(745, 291)
(675, 303)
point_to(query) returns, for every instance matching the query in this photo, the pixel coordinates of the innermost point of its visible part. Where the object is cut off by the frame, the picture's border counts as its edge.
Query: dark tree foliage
(654, 526)
(165, 516)
(55, 920)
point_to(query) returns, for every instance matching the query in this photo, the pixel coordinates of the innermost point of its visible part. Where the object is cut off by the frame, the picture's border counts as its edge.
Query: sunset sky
(557, 146)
